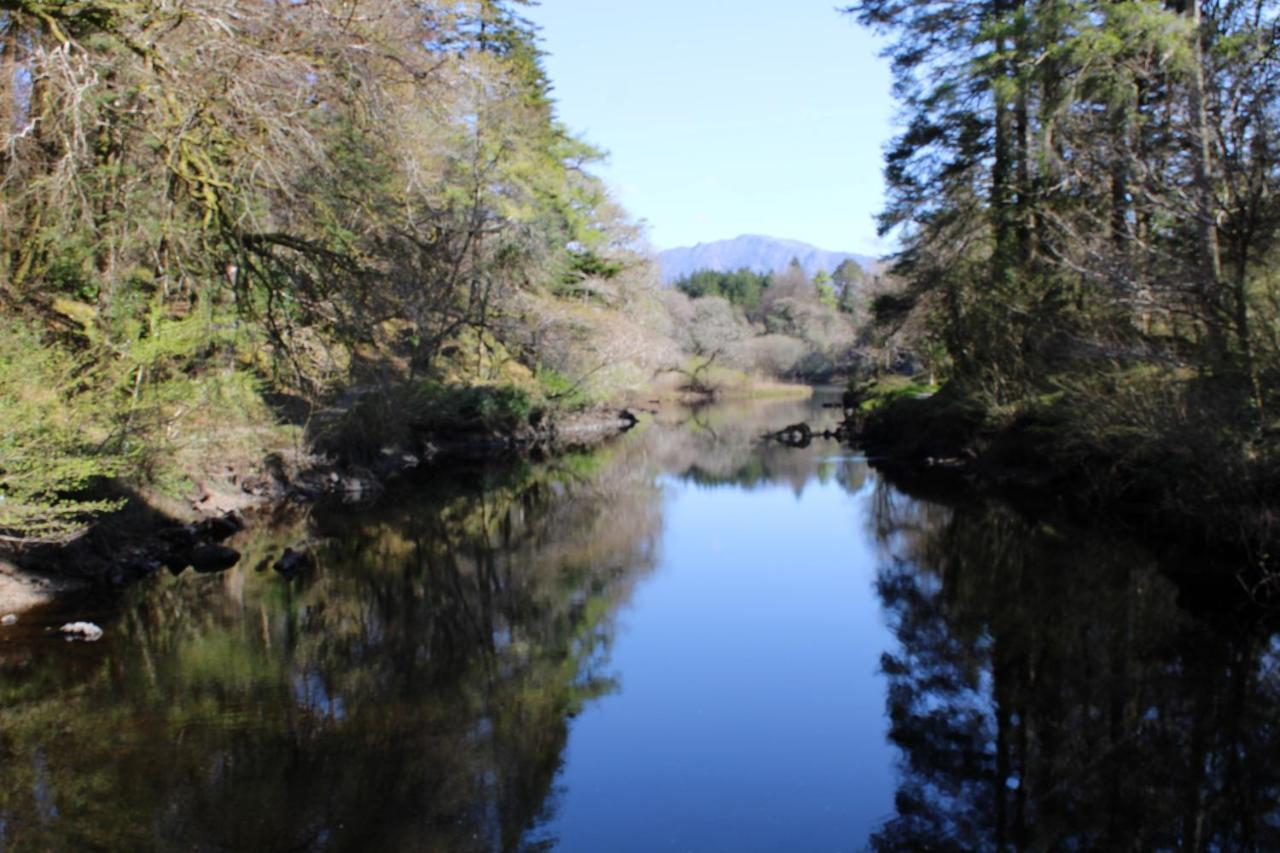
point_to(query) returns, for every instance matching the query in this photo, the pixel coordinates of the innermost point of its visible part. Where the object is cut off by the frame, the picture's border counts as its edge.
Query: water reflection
(720, 446)
(413, 692)
(1048, 692)
(421, 687)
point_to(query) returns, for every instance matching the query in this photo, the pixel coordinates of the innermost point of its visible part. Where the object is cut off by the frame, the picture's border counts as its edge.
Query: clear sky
(724, 118)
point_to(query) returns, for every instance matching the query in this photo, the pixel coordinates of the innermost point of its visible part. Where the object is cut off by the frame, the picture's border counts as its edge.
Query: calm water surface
(687, 641)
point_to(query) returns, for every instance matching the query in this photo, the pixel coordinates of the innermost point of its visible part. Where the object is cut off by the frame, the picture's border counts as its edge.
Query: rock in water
(796, 435)
(86, 631)
(219, 528)
(213, 558)
(293, 563)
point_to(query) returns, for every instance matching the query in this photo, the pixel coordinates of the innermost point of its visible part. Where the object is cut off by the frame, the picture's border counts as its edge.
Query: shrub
(889, 389)
(55, 440)
(394, 417)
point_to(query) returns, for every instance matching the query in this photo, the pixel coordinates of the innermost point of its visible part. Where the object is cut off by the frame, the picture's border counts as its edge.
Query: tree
(822, 284)
(743, 287)
(1064, 185)
(848, 274)
(318, 197)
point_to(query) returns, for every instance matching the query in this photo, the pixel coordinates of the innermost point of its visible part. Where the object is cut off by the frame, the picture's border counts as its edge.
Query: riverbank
(152, 531)
(515, 621)
(1189, 478)
(241, 462)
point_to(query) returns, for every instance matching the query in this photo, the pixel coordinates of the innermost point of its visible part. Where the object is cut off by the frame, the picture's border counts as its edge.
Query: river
(687, 640)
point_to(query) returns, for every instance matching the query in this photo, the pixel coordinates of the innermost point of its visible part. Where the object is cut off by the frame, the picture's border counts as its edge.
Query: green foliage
(56, 439)
(848, 274)
(849, 280)
(396, 418)
(186, 234)
(493, 407)
(889, 389)
(562, 391)
(823, 284)
(584, 263)
(742, 287)
(918, 425)
(1080, 191)
(849, 301)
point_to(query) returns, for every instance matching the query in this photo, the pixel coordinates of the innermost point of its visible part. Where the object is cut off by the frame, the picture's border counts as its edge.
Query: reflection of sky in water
(674, 643)
(309, 692)
(751, 714)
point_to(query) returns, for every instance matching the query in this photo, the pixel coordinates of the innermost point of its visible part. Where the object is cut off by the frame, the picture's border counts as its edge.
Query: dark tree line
(1051, 690)
(1083, 184)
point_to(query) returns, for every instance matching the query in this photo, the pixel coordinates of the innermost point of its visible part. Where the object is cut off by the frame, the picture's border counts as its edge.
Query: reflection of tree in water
(1050, 693)
(723, 446)
(414, 694)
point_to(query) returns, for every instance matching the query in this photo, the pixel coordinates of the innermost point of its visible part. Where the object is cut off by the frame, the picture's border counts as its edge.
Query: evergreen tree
(1071, 177)
(826, 291)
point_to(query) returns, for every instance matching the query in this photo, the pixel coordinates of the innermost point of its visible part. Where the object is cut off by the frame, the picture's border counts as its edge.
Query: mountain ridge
(757, 252)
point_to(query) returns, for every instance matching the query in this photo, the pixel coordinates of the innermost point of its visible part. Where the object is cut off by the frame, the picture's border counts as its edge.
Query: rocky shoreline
(944, 444)
(141, 540)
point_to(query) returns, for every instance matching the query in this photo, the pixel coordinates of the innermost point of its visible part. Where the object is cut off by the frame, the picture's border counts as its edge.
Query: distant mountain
(756, 252)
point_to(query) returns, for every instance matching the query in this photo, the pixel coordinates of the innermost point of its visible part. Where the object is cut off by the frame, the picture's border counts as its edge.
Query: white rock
(9, 619)
(86, 631)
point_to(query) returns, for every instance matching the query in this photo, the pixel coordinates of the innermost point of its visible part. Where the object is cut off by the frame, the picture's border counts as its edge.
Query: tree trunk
(1026, 211)
(8, 88)
(1208, 253)
(1003, 160)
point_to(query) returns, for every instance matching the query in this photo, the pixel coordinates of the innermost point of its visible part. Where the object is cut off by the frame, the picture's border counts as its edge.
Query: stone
(84, 631)
(293, 563)
(209, 558)
(797, 435)
(21, 591)
(219, 528)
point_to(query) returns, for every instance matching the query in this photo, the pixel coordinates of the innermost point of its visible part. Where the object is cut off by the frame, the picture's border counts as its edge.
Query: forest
(235, 231)
(364, 486)
(213, 213)
(1087, 196)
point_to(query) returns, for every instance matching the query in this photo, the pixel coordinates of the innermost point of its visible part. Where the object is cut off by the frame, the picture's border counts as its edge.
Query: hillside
(756, 252)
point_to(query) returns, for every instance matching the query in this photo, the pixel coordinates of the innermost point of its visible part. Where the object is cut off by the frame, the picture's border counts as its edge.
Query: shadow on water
(416, 689)
(1048, 691)
(412, 692)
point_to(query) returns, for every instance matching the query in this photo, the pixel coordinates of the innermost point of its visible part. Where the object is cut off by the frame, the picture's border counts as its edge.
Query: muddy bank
(21, 590)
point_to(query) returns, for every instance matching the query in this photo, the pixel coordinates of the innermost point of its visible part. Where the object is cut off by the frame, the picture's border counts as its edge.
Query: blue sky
(721, 118)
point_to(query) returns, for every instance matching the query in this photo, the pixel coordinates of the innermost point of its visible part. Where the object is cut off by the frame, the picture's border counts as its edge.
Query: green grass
(890, 389)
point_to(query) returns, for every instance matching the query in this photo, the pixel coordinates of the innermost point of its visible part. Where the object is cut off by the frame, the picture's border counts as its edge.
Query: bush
(889, 389)
(397, 416)
(904, 424)
(1147, 431)
(55, 440)
(563, 391)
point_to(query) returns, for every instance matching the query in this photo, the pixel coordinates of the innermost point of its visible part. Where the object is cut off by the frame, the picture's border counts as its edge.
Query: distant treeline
(784, 323)
(746, 287)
